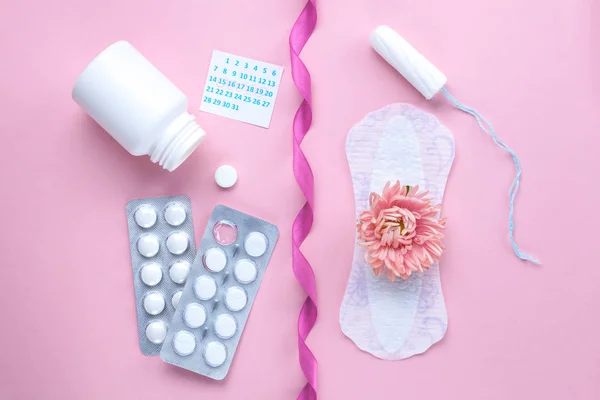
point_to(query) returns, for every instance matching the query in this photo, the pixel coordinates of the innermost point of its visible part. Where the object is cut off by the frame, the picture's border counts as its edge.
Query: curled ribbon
(301, 31)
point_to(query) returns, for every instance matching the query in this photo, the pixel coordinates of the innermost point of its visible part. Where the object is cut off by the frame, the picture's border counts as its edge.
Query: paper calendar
(241, 88)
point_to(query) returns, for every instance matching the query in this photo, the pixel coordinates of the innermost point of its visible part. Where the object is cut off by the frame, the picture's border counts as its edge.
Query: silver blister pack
(161, 237)
(222, 285)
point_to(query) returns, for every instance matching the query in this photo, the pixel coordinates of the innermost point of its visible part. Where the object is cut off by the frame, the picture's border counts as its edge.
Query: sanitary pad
(395, 320)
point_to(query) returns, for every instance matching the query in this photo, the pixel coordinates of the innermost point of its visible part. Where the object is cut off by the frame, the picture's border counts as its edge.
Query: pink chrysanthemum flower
(401, 231)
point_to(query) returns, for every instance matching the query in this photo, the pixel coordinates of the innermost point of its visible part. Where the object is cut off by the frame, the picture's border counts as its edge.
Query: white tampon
(415, 68)
(429, 80)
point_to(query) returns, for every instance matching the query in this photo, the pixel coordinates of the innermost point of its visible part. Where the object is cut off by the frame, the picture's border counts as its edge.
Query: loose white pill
(154, 303)
(145, 216)
(156, 332)
(205, 287)
(245, 271)
(175, 214)
(215, 354)
(148, 245)
(255, 244)
(179, 271)
(226, 176)
(194, 315)
(177, 242)
(184, 343)
(225, 326)
(176, 297)
(151, 274)
(235, 298)
(215, 259)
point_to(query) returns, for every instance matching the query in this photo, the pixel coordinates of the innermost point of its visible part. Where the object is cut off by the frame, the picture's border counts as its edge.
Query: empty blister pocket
(161, 235)
(222, 285)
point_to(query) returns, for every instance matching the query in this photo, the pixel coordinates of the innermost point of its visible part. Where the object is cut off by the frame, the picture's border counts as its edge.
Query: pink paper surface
(516, 331)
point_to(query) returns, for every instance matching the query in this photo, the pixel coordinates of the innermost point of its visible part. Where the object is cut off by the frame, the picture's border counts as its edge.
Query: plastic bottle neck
(178, 142)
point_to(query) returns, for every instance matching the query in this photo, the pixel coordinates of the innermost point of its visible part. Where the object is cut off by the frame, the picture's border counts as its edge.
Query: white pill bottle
(138, 106)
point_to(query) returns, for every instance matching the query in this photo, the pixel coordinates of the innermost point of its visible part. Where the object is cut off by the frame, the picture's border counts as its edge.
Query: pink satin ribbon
(301, 31)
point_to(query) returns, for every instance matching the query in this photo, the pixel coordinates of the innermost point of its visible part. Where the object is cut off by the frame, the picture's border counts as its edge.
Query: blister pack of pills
(161, 236)
(218, 296)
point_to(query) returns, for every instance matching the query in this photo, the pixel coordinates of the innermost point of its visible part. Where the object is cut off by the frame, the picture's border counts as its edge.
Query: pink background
(516, 330)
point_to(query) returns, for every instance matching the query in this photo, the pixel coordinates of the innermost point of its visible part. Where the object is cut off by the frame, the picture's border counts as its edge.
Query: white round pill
(148, 245)
(184, 343)
(176, 297)
(156, 332)
(179, 271)
(215, 354)
(178, 242)
(235, 298)
(245, 271)
(151, 274)
(194, 315)
(226, 176)
(215, 259)
(154, 303)
(255, 244)
(225, 326)
(145, 216)
(175, 214)
(205, 287)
